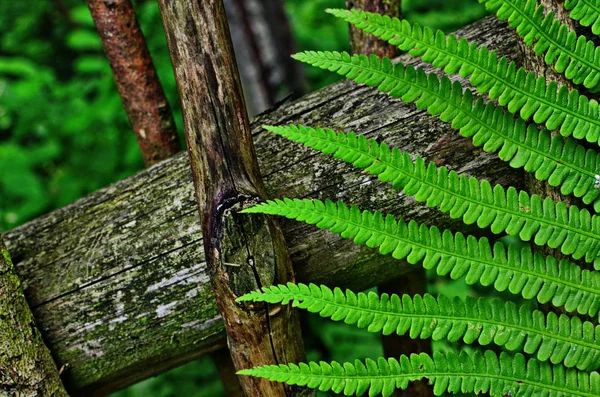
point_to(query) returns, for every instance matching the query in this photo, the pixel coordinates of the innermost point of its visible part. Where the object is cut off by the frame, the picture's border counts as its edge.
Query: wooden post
(137, 82)
(264, 44)
(365, 43)
(26, 366)
(146, 105)
(243, 252)
(414, 282)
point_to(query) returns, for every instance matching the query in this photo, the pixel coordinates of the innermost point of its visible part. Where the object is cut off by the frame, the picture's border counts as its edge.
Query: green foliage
(514, 268)
(441, 14)
(560, 161)
(565, 347)
(575, 56)
(521, 91)
(499, 375)
(575, 231)
(63, 131)
(571, 341)
(587, 12)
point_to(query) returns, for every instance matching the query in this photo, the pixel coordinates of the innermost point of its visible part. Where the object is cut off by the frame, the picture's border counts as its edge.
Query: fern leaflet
(571, 342)
(574, 56)
(587, 12)
(561, 162)
(524, 92)
(517, 270)
(574, 230)
(500, 376)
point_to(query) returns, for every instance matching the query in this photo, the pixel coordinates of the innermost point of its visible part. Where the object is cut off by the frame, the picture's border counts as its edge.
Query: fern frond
(523, 91)
(500, 376)
(559, 339)
(575, 56)
(560, 161)
(574, 230)
(587, 12)
(518, 270)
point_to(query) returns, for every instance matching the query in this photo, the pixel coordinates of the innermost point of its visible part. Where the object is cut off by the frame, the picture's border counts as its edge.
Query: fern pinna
(544, 354)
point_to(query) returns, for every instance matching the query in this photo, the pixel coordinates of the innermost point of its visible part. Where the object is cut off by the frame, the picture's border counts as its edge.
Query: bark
(118, 282)
(412, 283)
(263, 44)
(26, 365)
(365, 43)
(136, 79)
(243, 253)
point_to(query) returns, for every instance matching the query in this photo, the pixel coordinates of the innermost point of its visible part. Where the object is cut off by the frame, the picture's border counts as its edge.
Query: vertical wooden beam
(137, 82)
(242, 252)
(26, 366)
(146, 106)
(364, 43)
(264, 44)
(414, 282)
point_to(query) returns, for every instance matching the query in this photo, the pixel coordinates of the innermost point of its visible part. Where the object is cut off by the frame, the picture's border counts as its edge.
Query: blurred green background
(64, 133)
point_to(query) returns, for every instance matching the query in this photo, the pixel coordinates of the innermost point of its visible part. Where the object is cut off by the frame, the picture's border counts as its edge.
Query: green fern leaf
(518, 270)
(573, 55)
(574, 230)
(561, 162)
(587, 12)
(498, 376)
(524, 92)
(560, 339)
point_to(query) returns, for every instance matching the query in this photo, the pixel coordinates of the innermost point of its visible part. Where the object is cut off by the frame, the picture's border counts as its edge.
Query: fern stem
(483, 320)
(553, 37)
(472, 373)
(587, 12)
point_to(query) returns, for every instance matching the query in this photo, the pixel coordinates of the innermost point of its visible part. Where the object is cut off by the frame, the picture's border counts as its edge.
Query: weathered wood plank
(118, 282)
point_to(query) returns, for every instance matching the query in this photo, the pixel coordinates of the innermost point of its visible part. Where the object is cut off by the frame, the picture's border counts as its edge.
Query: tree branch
(137, 82)
(243, 252)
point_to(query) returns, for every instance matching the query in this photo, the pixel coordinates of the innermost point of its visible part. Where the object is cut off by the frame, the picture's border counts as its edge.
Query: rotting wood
(135, 76)
(117, 280)
(26, 366)
(242, 252)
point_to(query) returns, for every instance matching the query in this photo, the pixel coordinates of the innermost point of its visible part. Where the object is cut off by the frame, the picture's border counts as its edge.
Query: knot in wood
(247, 253)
